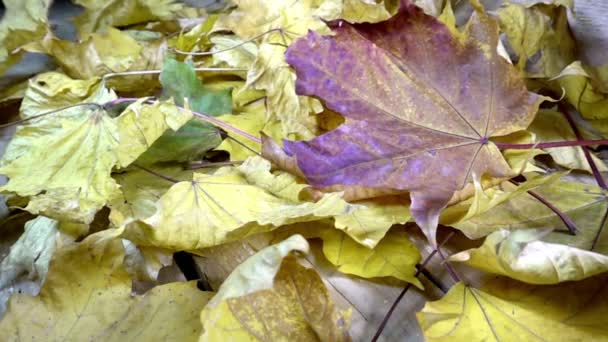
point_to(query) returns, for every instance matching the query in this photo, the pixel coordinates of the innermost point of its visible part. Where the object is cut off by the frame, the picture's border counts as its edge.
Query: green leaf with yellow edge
(140, 190)
(485, 201)
(106, 52)
(585, 204)
(394, 256)
(540, 38)
(196, 137)
(141, 124)
(268, 298)
(87, 296)
(23, 21)
(549, 125)
(519, 255)
(584, 90)
(469, 314)
(179, 81)
(214, 209)
(101, 14)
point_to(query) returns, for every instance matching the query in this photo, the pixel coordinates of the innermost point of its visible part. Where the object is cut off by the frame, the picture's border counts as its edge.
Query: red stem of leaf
(406, 288)
(562, 216)
(596, 172)
(448, 266)
(552, 144)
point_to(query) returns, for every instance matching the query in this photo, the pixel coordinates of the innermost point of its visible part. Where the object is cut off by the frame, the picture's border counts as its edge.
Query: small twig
(203, 165)
(596, 172)
(562, 216)
(219, 123)
(448, 266)
(167, 178)
(438, 284)
(157, 72)
(551, 144)
(406, 288)
(243, 145)
(209, 53)
(84, 104)
(208, 118)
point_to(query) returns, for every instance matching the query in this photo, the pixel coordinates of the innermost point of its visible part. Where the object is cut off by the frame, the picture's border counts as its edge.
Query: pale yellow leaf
(87, 296)
(519, 255)
(394, 256)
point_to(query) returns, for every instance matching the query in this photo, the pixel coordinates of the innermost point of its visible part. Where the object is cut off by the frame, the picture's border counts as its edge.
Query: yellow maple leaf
(87, 296)
(512, 311)
(214, 209)
(77, 148)
(112, 51)
(539, 36)
(395, 256)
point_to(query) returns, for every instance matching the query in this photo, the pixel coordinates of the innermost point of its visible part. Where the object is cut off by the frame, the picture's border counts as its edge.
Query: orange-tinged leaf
(268, 298)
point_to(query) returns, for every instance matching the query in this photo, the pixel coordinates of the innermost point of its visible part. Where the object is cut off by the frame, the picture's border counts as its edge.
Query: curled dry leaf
(519, 255)
(268, 298)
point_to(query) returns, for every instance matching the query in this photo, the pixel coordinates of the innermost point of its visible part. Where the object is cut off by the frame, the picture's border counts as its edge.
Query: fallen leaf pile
(248, 136)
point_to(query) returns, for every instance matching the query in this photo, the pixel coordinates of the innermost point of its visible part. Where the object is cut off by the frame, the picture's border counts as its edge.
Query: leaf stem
(205, 117)
(219, 123)
(552, 144)
(562, 216)
(596, 172)
(203, 165)
(448, 266)
(84, 104)
(209, 53)
(438, 284)
(390, 311)
(167, 178)
(158, 71)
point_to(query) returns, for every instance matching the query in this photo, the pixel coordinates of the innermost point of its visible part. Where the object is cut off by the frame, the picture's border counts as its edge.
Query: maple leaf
(420, 107)
(270, 291)
(195, 137)
(87, 296)
(511, 311)
(519, 255)
(394, 256)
